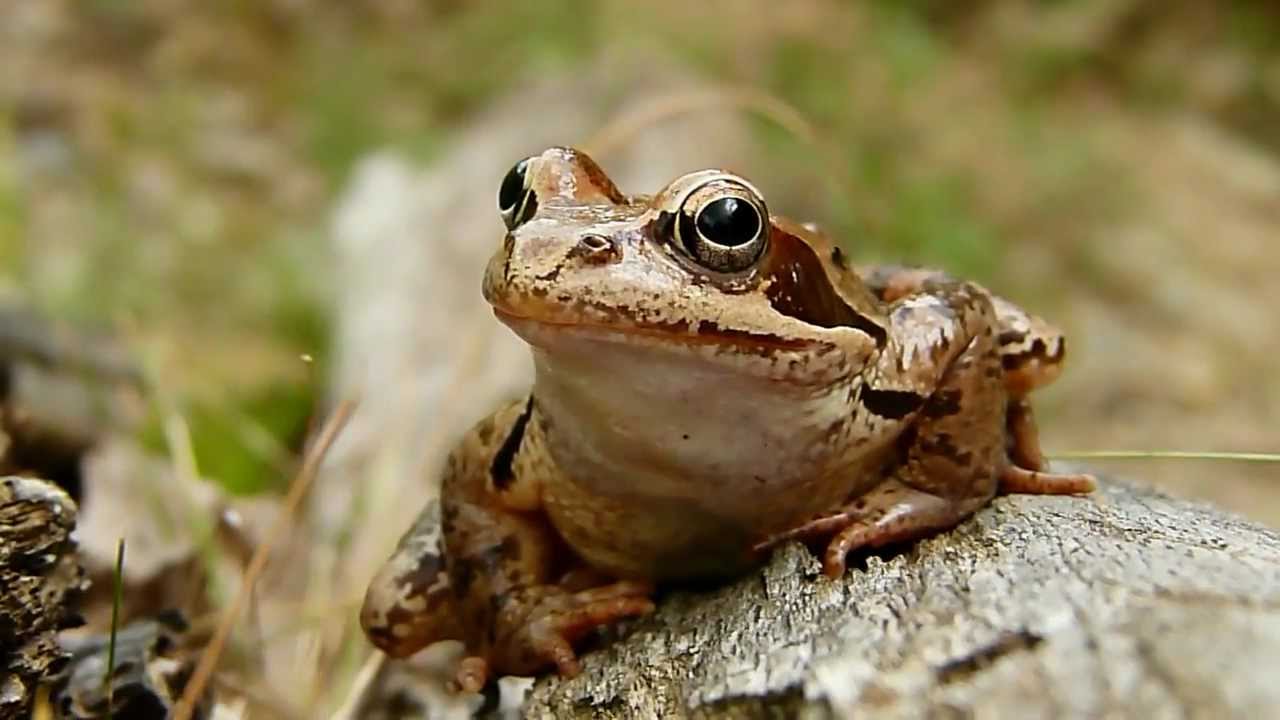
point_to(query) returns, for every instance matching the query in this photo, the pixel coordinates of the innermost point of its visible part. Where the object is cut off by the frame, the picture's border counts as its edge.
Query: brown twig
(297, 490)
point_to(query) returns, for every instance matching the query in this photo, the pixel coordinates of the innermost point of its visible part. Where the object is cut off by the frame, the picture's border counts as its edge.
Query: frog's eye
(723, 225)
(516, 200)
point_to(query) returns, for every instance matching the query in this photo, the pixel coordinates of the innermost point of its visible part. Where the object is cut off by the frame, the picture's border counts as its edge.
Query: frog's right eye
(516, 200)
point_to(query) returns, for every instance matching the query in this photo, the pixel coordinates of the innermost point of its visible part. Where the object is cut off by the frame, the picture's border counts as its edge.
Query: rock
(1124, 604)
(39, 582)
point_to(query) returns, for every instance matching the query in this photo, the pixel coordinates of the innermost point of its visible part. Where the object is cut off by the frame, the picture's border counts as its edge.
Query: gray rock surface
(1124, 604)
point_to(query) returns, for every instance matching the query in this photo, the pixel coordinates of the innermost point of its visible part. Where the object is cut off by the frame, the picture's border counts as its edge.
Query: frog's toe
(889, 514)
(472, 675)
(892, 512)
(558, 622)
(1014, 479)
(811, 530)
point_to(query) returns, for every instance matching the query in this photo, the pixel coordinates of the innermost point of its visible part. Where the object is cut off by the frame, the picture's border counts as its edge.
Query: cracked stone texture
(1124, 604)
(39, 580)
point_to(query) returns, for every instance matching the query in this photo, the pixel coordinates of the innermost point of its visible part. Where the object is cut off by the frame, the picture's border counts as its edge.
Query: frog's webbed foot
(543, 624)
(890, 513)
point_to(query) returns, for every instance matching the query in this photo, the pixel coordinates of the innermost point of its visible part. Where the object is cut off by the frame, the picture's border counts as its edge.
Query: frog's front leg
(1031, 350)
(953, 451)
(510, 589)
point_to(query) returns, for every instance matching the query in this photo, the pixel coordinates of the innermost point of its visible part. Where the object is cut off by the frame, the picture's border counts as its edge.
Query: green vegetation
(191, 187)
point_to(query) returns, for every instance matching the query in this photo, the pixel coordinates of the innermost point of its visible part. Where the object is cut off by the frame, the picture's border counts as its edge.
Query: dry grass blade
(1165, 455)
(297, 491)
(620, 131)
(360, 688)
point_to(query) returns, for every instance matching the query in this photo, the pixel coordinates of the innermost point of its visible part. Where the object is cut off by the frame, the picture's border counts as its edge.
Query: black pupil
(512, 187)
(729, 221)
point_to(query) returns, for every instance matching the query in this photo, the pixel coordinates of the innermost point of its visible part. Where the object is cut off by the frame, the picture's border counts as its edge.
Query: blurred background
(214, 190)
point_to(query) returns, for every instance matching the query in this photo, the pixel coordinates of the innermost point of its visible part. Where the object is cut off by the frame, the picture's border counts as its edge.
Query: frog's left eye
(723, 225)
(516, 200)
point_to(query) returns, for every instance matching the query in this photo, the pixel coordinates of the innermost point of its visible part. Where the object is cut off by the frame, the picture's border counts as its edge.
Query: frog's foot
(472, 675)
(541, 625)
(1026, 471)
(890, 513)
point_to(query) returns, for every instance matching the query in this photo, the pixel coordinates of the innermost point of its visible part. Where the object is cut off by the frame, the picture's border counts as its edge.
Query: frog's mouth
(543, 331)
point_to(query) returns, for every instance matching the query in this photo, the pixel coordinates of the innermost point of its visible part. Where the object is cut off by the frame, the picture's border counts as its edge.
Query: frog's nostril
(596, 243)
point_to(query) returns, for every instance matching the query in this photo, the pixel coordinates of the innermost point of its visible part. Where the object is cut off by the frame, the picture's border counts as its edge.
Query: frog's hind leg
(953, 458)
(410, 603)
(949, 458)
(1031, 354)
(521, 606)
(501, 585)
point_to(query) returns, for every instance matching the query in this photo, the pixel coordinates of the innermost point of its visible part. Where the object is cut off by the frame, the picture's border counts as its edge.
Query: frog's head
(699, 269)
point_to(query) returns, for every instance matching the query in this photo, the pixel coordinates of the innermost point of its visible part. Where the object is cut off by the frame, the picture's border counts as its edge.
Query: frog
(711, 381)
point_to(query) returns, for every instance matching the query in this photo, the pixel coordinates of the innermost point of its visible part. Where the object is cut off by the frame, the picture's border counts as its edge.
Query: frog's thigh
(409, 603)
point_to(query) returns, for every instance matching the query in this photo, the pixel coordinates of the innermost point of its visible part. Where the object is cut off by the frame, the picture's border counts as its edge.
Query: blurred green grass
(228, 259)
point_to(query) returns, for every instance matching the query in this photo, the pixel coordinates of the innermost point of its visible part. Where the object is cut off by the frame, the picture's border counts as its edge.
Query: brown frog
(711, 381)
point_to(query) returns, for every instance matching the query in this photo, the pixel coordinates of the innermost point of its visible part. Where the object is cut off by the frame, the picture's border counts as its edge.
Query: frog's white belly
(666, 457)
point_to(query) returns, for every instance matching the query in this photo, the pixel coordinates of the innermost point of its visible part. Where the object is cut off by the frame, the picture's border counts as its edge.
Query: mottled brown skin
(696, 403)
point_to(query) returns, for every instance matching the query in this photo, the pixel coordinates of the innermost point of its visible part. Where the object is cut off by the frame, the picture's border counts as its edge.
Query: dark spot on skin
(461, 575)
(906, 441)
(944, 445)
(799, 288)
(487, 563)
(1011, 337)
(684, 436)
(551, 274)
(837, 258)
(664, 226)
(448, 517)
(944, 403)
(891, 404)
(500, 470)
(424, 574)
(508, 249)
(494, 558)
(1013, 362)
